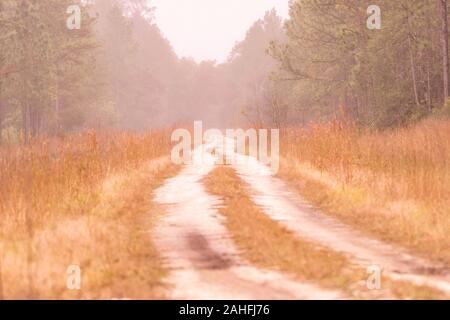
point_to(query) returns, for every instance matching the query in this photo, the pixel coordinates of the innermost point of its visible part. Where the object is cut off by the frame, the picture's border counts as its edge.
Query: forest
(118, 70)
(380, 78)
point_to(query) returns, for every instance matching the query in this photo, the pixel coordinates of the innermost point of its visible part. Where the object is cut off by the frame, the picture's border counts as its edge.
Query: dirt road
(204, 264)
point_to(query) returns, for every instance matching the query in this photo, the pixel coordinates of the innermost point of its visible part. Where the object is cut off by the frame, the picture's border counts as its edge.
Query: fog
(139, 64)
(154, 86)
(209, 29)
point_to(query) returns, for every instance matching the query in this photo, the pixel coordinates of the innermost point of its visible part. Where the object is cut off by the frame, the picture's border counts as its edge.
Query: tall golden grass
(267, 243)
(50, 177)
(53, 184)
(395, 184)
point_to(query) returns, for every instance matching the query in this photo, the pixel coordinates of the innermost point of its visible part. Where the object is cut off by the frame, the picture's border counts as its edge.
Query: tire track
(196, 247)
(285, 206)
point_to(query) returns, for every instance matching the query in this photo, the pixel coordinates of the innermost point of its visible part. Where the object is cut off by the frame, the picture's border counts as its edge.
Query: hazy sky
(208, 29)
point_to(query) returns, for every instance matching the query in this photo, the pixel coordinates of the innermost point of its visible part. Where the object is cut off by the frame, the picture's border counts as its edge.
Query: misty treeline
(118, 70)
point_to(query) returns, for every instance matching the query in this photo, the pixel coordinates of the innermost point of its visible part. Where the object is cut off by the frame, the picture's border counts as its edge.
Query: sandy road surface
(202, 260)
(204, 263)
(284, 205)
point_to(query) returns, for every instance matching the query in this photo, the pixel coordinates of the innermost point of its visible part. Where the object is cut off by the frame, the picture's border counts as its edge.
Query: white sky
(208, 29)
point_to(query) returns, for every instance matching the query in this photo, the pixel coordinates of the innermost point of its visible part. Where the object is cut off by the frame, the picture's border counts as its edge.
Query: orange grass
(393, 184)
(56, 192)
(268, 244)
(50, 177)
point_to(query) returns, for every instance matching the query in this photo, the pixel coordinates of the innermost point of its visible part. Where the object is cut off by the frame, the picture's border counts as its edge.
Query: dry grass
(394, 185)
(81, 201)
(268, 244)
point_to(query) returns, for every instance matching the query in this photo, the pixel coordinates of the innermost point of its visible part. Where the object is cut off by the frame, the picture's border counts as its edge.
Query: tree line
(379, 78)
(118, 70)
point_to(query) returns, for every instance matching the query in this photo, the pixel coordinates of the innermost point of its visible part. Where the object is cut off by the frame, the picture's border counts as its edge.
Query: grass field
(82, 200)
(86, 200)
(393, 184)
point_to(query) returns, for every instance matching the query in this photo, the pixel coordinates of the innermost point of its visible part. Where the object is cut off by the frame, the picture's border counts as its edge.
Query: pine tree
(379, 78)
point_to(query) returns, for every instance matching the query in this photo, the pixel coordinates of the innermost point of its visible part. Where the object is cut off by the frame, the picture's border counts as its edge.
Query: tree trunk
(429, 101)
(1, 116)
(412, 61)
(57, 105)
(444, 35)
(25, 121)
(34, 122)
(413, 71)
(24, 37)
(430, 52)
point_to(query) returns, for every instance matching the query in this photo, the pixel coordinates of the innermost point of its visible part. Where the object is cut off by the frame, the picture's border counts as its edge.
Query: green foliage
(119, 70)
(53, 74)
(380, 78)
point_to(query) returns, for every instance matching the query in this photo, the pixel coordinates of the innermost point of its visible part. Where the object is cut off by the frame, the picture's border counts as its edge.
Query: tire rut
(280, 203)
(202, 260)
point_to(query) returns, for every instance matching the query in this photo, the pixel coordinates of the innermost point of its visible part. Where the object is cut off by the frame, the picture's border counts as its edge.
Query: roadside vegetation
(393, 184)
(84, 200)
(268, 244)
